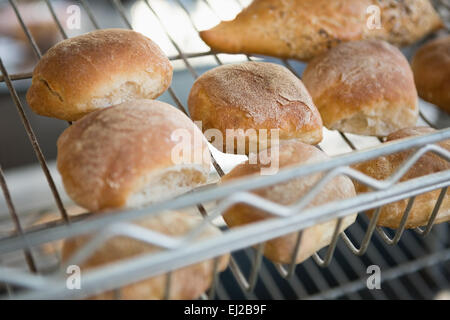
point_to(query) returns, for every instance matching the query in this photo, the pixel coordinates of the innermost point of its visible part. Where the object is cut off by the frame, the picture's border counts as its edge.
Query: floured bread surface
(255, 96)
(132, 154)
(363, 87)
(96, 70)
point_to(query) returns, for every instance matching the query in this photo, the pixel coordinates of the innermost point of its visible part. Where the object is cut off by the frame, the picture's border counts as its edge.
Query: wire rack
(413, 266)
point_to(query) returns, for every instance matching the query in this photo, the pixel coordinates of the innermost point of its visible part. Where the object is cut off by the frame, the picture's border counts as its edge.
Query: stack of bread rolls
(124, 149)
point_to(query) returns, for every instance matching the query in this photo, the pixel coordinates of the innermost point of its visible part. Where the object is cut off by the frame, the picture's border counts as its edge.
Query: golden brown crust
(186, 283)
(96, 70)
(363, 87)
(255, 95)
(383, 167)
(303, 29)
(431, 67)
(313, 238)
(113, 153)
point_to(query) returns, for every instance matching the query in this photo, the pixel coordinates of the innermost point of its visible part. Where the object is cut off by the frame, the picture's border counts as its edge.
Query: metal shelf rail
(340, 269)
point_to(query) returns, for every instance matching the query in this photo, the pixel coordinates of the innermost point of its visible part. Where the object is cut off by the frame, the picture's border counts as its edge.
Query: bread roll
(431, 67)
(363, 87)
(255, 95)
(96, 70)
(186, 283)
(383, 167)
(313, 238)
(130, 155)
(303, 29)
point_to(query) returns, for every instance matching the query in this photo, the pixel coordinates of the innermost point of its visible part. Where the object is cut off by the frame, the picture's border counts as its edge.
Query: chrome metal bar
(55, 18)
(15, 218)
(167, 285)
(34, 46)
(433, 215)
(229, 189)
(256, 266)
(366, 240)
(34, 142)
(172, 41)
(149, 265)
(290, 271)
(119, 7)
(401, 227)
(18, 76)
(330, 251)
(214, 278)
(90, 14)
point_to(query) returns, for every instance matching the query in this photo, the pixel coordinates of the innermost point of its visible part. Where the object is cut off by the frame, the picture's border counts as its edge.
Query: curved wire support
(238, 274)
(287, 273)
(433, 216)
(215, 278)
(401, 227)
(257, 260)
(248, 285)
(329, 255)
(366, 241)
(167, 285)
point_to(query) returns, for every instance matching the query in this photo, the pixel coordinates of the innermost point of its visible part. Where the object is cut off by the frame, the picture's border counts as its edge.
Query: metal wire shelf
(260, 272)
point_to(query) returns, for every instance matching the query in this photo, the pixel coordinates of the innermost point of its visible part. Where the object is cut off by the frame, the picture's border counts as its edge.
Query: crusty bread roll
(255, 95)
(96, 70)
(131, 154)
(431, 67)
(363, 87)
(313, 238)
(186, 283)
(303, 29)
(383, 167)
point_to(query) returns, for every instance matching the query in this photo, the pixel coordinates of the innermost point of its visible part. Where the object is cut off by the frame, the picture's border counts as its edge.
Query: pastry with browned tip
(303, 29)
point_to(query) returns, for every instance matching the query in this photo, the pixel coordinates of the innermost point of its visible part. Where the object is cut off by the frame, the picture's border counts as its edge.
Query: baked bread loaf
(132, 154)
(254, 96)
(363, 87)
(186, 283)
(383, 167)
(96, 70)
(431, 67)
(303, 29)
(314, 238)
